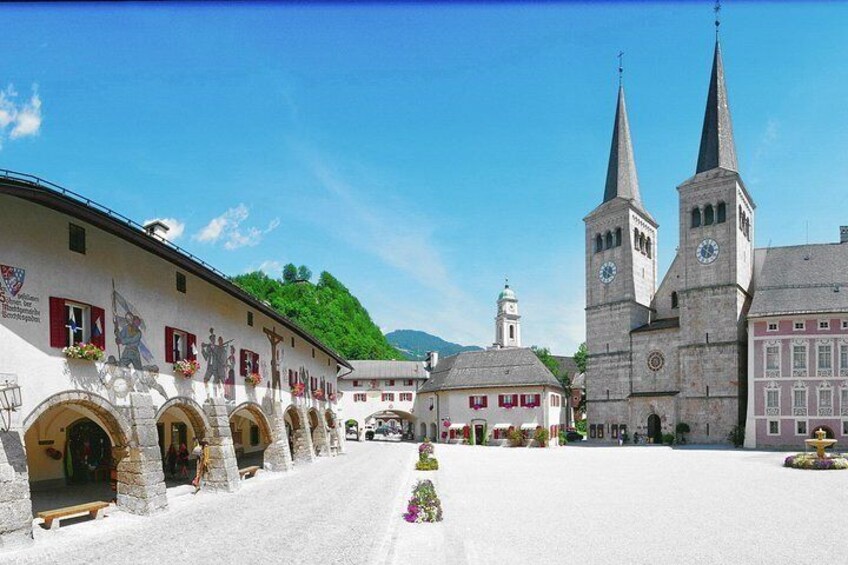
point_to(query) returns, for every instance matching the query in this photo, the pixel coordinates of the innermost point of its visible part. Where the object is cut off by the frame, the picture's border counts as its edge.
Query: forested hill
(327, 310)
(415, 344)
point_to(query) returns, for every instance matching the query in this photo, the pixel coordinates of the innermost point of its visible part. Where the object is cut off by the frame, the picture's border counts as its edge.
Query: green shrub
(737, 436)
(541, 436)
(427, 464)
(562, 439)
(580, 426)
(668, 439)
(516, 437)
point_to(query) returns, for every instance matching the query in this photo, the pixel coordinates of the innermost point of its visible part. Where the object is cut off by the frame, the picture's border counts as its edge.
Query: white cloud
(176, 228)
(19, 119)
(227, 227)
(270, 267)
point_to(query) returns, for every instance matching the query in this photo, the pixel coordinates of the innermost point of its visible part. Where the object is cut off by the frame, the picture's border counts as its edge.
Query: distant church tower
(507, 322)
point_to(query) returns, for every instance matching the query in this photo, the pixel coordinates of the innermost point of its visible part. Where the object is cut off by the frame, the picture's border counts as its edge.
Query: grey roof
(579, 381)
(566, 365)
(717, 147)
(492, 368)
(801, 279)
(622, 181)
(661, 324)
(387, 370)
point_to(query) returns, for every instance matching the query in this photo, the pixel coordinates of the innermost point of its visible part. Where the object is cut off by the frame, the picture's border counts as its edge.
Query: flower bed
(84, 351)
(253, 379)
(426, 461)
(812, 461)
(186, 367)
(424, 506)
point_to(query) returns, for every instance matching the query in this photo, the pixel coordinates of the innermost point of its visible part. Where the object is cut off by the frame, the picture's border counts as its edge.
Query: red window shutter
(98, 320)
(58, 331)
(485, 402)
(169, 344)
(521, 399)
(242, 362)
(255, 362)
(191, 347)
(471, 402)
(537, 399)
(500, 401)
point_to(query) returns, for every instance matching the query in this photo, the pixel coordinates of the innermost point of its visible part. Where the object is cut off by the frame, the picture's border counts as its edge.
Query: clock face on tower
(707, 251)
(607, 272)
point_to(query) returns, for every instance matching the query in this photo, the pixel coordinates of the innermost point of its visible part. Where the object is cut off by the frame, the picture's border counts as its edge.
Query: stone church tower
(507, 322)
(676, 353)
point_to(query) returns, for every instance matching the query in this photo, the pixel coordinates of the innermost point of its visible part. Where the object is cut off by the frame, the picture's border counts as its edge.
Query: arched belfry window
(674, 299)
(642, 242)
(696, 217)
(618, 237)
(608, 238)
(721, 213)
(599, 243)
(511, 332)
(709, 216)
(648, 249)
(636, 238)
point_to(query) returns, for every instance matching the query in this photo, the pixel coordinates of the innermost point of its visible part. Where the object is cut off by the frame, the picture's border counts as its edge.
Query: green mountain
(327, 310)
(415, 344)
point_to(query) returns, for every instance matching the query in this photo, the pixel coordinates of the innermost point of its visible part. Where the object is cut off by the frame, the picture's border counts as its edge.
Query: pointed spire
(621, 172)
(717, 147)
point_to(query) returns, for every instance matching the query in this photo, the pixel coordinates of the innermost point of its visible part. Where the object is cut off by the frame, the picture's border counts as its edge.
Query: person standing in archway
(202, 452)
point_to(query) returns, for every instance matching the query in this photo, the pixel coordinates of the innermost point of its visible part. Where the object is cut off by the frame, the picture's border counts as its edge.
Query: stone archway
(276, 455)
(423, 432)
(318, 432)
(828, 433)
(136, 462)
(301, 438)
(655, 429)
(169, 420)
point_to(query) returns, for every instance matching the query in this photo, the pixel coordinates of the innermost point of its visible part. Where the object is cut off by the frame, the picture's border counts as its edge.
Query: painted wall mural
(220, 358)
(14, 303)
(275, 340)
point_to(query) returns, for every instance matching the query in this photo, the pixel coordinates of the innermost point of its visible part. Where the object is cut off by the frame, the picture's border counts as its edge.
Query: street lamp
(10, 400)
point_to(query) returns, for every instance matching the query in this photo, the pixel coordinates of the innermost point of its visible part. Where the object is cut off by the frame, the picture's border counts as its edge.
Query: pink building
(798, 345)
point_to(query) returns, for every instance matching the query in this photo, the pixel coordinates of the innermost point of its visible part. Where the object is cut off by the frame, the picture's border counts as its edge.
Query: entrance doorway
(88, 453)
(655, 429)
(479, 434)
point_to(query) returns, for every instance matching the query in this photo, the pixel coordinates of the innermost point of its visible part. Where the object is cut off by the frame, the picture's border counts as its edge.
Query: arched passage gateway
(178, 422)
(398, 420)
(77, 447)
(251, 433)
(299, 436)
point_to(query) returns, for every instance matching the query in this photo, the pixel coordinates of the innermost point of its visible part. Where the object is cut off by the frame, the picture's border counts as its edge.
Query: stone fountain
(820, 443)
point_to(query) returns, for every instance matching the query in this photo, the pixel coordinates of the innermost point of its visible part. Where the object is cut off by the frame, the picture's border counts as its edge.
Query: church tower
(621, 275)
(716, 256)
(507, 322)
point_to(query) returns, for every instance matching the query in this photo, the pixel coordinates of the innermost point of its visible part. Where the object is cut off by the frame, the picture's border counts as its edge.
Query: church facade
(673, 352)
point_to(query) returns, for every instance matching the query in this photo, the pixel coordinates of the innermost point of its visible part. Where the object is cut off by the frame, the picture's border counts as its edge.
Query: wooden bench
(248, 471)
(52, 517)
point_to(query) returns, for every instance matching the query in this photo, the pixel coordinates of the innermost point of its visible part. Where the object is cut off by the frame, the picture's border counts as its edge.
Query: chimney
(843, 234)
(156, 228)
(432, 360)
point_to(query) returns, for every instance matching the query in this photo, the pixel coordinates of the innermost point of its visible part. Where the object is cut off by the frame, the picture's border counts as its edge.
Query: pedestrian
(171, 458)
(182, 456)
(635, 438)
(201, 450)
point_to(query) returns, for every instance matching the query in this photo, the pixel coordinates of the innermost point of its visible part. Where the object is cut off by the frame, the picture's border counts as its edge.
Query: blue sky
(422, 152)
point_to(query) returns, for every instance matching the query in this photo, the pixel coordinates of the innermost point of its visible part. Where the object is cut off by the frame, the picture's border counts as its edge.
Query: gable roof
(801, 279)
(492, 368)
(386, 370)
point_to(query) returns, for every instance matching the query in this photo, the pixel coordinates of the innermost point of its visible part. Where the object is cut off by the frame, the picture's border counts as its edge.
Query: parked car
(384, 432)
(352, 433)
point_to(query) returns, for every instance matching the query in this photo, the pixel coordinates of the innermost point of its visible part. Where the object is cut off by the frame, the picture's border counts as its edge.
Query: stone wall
(277, 455)
(15, 504)
(302, 439)
(141, 482)
(223, 469)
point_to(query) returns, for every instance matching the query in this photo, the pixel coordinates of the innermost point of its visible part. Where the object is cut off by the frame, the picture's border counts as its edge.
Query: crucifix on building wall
(275, 340)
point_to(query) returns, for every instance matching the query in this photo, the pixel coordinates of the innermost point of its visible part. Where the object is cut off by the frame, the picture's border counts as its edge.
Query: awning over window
(502, 426)
(529, 426)
(457, 426)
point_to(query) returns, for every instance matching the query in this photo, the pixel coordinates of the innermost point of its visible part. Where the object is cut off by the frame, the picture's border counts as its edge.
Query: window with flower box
(359, 397)
(388, 397)
(406, 397)
(530, 400)
(249, 362)
(507, 400)
(73, 322)
(477, 401)
(179, 345)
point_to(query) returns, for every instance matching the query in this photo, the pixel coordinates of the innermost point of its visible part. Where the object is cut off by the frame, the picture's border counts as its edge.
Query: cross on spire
(620, 67)
(717, 10)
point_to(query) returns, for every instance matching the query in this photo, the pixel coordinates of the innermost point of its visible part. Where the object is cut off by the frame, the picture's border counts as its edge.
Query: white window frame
(845, 324)
(772, 410)
(768, 427)
(771, 371)
(772, 326)
(182, 352)
(824, 371)
(85, 323)
(800, 410)
(478, 399)
(799, 326)
(842, 355)
(806, 428)
(843, 400)
(824, 325)
(825, 410)
(800, 371)
(845, 427)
